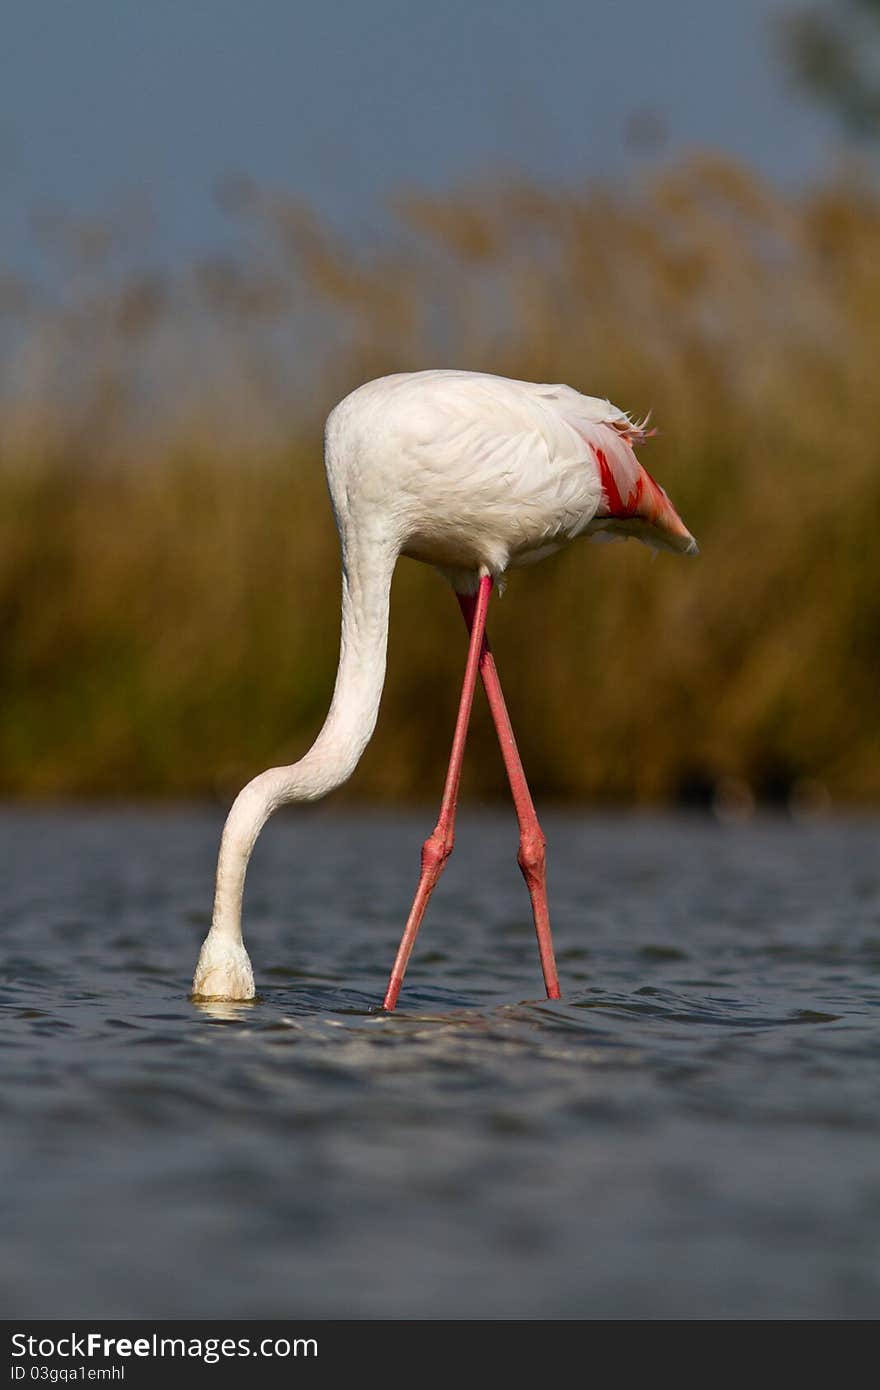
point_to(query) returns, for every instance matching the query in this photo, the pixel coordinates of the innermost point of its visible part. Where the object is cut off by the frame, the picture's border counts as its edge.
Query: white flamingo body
(474, 474)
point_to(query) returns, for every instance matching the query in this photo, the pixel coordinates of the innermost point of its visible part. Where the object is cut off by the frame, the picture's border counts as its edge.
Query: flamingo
(474, 474)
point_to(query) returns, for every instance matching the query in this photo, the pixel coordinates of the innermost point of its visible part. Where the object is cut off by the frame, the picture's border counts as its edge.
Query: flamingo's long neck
(366, 583)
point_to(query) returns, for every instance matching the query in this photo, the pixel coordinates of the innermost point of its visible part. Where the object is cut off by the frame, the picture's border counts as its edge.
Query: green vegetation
(168, 562)
(832, 51)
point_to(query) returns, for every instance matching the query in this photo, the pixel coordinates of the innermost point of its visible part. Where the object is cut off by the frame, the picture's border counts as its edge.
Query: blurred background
(219, 218)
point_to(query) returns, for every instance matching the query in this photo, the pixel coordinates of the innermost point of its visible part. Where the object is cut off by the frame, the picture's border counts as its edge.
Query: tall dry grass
(168, 563)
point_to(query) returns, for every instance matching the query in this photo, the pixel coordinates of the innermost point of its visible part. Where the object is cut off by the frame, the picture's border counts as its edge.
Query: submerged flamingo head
(223, 970)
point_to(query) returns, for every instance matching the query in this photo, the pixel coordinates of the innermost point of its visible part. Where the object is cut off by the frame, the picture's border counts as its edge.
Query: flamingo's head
(223, 970)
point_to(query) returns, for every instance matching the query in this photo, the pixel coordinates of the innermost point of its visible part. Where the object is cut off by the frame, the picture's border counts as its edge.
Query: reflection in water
(690, 1132)
(223, 1010)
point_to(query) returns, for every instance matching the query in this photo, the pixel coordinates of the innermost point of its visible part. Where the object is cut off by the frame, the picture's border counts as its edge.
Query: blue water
(691, 1132)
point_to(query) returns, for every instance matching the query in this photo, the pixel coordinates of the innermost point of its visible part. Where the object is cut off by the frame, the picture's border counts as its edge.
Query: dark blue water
(692, 1132)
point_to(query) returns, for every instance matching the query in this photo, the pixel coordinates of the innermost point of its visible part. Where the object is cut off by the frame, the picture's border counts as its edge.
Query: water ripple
(691, 1132)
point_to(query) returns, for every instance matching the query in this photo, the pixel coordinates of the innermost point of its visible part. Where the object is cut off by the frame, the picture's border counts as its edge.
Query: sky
(345, 101)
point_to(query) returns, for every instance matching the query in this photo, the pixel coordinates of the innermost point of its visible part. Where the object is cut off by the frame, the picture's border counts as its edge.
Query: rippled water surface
(692, 1132)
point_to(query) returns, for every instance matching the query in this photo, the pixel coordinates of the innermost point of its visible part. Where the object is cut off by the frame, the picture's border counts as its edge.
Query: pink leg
(531, 855)
(438, 846)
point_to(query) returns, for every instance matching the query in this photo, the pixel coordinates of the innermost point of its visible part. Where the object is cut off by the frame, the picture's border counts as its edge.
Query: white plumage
(468, 472)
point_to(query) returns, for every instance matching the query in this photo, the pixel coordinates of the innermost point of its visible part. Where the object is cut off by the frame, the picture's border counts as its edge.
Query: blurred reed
(168, 562)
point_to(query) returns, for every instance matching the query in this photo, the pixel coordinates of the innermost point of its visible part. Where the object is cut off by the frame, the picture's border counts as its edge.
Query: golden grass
(168, 563)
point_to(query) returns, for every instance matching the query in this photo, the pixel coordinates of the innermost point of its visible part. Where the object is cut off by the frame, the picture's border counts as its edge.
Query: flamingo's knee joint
(532, 858)
(435, 852)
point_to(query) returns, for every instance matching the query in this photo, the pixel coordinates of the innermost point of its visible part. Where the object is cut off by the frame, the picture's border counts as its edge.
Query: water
(692, 1132)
